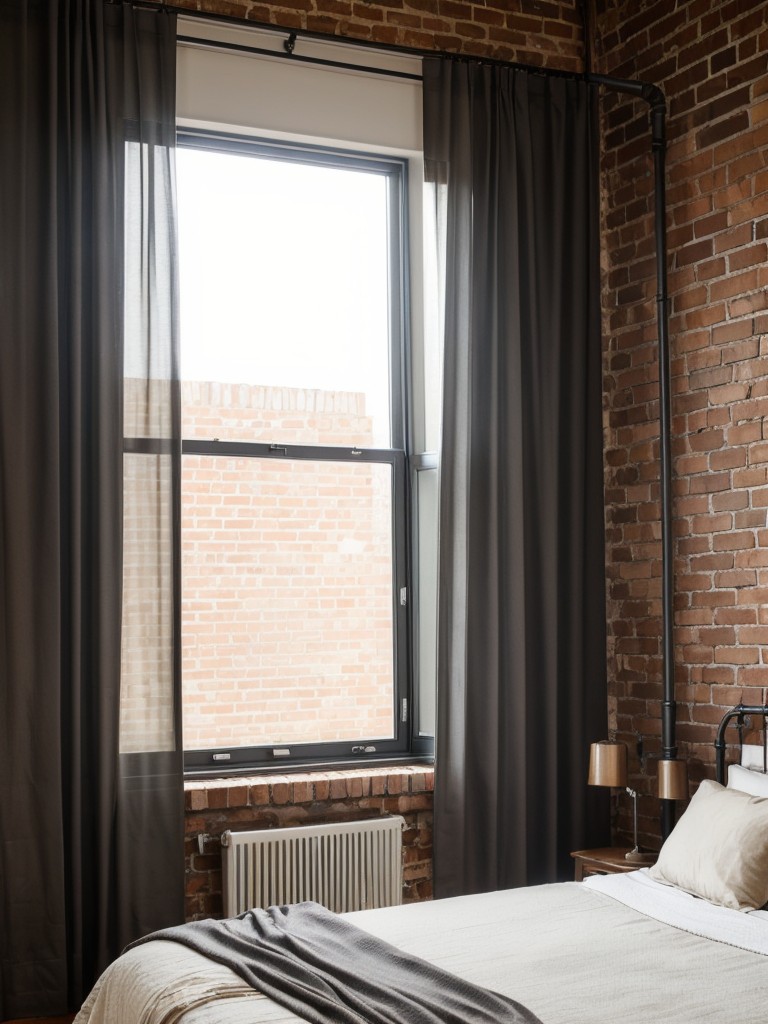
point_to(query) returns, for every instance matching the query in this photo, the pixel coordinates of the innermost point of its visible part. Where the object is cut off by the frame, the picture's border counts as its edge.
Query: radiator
(354, 865)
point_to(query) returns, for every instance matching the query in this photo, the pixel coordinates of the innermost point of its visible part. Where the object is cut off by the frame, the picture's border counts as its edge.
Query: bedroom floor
(67, 1019)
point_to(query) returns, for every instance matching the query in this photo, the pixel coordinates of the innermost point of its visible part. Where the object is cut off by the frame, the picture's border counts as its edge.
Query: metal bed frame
(740, 712)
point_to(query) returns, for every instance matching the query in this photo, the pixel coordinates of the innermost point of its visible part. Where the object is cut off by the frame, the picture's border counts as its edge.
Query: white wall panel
(283, 97)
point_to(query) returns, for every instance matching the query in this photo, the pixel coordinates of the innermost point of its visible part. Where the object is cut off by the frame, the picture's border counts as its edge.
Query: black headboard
(739, 712)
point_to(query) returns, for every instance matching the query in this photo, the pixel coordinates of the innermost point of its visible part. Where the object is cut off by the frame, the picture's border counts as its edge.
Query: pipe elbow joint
(654, 97)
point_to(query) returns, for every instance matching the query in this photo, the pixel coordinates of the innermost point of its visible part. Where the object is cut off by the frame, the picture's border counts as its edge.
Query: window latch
(364, 749)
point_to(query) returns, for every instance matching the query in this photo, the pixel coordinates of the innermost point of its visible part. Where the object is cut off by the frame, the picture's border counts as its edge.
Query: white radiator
(354, 865)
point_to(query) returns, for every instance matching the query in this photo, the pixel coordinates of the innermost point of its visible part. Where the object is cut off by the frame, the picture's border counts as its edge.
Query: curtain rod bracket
(289, 44)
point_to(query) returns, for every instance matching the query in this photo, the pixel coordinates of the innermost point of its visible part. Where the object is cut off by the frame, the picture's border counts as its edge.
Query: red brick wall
(287, 574)
(271, 654)
(310, 798)
(711, 61)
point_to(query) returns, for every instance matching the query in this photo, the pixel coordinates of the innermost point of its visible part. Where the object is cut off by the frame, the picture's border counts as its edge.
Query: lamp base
(640, 857)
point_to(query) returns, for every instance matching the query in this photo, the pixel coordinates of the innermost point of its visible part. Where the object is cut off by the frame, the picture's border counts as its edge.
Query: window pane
(429, 401)
(287, 601)
(427, 498)
(284, 299)
(146, 683)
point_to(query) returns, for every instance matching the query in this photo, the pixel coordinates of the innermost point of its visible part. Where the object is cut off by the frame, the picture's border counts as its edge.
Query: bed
(685, 941)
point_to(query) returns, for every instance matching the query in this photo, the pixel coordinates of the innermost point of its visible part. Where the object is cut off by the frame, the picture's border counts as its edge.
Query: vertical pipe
(655, 99)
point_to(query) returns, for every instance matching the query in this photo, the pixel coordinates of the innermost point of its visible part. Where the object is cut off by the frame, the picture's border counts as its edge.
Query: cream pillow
(719, 848)
(747, 780)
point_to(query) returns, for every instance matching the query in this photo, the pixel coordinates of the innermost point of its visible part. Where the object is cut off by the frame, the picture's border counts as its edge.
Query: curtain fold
(521, 608)
(91, 824)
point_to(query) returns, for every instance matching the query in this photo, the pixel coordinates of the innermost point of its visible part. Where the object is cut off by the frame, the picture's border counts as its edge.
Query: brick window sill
(308, 787)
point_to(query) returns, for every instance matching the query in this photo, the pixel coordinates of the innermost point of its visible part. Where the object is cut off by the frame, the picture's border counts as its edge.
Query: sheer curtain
(91, 815)
(521, 640)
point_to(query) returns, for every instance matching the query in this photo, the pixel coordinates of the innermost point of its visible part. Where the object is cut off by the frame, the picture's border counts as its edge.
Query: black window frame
(407, 744)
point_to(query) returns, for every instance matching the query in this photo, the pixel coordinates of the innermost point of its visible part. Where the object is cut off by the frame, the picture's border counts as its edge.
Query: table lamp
(608, 767)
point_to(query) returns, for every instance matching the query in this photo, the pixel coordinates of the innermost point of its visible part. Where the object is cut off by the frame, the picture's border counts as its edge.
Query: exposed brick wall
(305, 799)
(710, 60)
(539, 32)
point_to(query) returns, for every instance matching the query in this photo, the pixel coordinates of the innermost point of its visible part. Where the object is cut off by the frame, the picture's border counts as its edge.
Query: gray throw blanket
(328, 971)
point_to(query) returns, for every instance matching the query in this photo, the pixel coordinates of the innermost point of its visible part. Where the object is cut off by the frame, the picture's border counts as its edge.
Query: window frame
(407, 744)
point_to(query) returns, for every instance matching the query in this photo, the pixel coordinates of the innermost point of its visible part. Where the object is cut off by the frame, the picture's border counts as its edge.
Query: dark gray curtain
(521, 635)
(91, 812)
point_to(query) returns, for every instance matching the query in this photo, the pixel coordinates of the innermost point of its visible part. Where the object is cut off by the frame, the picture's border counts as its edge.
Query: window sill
(306, 787)
(191, 774)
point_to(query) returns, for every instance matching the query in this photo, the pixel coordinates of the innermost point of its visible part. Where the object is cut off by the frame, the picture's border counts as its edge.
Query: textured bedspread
(327, 970)
(570, 954)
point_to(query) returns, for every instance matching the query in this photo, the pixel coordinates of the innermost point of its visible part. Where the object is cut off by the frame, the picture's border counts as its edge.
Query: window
(295, 514)
(309, 419)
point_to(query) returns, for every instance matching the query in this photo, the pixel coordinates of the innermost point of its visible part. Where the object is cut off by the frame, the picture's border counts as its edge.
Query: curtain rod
(288, 45)
(324, 37)
(643, 90)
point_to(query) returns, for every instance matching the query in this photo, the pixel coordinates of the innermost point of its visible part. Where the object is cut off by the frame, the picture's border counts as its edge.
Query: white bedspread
(570, 953)
(673, 906)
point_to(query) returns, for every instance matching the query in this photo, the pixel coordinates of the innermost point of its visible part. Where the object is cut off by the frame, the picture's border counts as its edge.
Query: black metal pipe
(654, 97)
(362, 44)
(297, 58)
(668, 739)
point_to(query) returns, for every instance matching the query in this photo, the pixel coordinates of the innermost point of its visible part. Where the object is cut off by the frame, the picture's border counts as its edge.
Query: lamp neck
(633, 794)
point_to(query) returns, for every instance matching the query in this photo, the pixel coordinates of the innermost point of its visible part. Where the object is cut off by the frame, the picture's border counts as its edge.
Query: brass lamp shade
(673, 780)
(607, 764)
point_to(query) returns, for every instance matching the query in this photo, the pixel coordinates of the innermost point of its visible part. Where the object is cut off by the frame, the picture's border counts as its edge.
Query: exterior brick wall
(287, 579)
(711, 61)
(310, 798)
(287, 574)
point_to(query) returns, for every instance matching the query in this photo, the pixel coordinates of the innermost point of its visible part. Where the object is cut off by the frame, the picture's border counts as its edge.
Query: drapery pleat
(521, 635)
(91, 824)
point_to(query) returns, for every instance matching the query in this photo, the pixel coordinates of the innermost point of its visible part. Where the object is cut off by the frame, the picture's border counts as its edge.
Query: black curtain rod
(643, 90)
(293, 34)
(297, 57)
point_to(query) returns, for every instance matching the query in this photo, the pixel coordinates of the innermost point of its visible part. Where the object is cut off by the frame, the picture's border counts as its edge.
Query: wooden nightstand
(607, 860)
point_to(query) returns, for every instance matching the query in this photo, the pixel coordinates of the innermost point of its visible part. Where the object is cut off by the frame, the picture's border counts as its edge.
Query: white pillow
(719, 848)
(747, 780)
(753, 756)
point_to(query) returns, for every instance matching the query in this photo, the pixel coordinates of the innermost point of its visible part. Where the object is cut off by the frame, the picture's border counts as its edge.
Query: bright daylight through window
(294, 476)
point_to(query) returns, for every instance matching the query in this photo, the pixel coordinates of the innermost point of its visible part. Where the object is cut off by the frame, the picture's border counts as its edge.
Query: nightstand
(607, 860)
